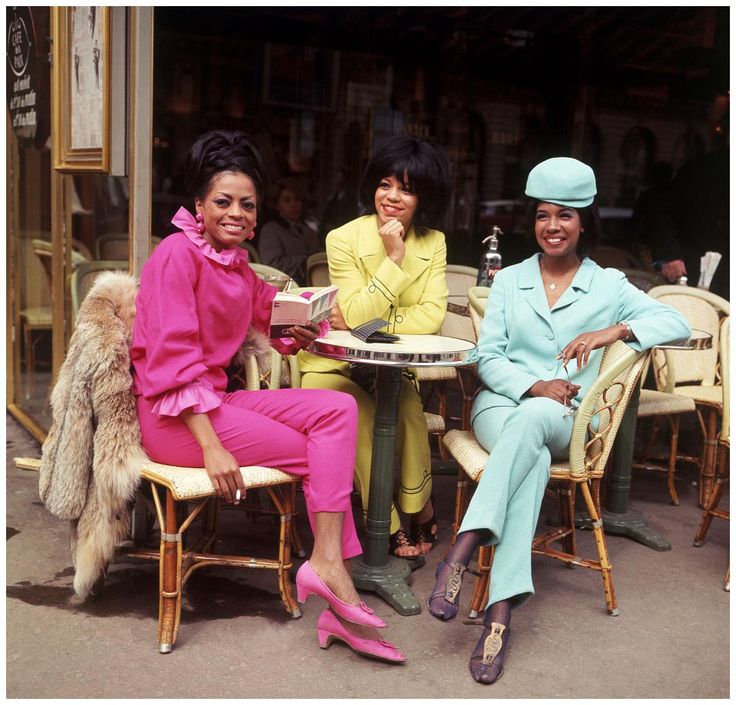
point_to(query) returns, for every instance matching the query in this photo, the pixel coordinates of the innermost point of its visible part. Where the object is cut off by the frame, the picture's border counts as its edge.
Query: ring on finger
(582, 342)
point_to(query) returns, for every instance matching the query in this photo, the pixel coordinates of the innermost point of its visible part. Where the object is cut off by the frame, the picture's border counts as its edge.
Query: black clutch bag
(369, 332)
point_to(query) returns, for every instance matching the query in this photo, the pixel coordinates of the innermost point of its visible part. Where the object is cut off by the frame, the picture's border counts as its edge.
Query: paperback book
(293, 310)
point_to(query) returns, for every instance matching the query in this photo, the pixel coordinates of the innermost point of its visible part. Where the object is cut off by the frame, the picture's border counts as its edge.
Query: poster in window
(81, 79)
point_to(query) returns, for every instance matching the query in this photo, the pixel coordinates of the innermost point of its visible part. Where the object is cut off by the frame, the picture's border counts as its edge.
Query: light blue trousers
(522, 441)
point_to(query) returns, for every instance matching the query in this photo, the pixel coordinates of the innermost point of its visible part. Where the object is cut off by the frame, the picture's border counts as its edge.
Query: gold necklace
(553, 285)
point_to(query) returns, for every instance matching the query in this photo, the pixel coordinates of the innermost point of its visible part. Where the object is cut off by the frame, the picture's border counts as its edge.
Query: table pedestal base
(632, 525)
(389, 581)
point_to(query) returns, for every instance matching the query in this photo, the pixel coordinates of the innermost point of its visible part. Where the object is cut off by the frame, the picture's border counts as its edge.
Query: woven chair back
(726, 379)
(112, 246)
(457, 322)
(273, 276)
(477, 322)
(318, 271)
(84, 276)
(599, 416)
(478, 298)
(702, 310)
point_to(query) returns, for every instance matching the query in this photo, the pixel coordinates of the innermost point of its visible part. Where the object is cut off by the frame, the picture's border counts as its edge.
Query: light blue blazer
(521, 337)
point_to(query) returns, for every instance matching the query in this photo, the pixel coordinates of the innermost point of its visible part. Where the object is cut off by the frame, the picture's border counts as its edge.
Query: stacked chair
(711, 505)
(689, 377)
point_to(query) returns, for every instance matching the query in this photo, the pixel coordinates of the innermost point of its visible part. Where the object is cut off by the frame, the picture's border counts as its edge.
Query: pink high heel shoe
(330, 628)
(309, 583)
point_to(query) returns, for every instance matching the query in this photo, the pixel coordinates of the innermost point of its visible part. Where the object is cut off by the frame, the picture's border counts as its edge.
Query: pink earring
(200, 223)
(252, 233)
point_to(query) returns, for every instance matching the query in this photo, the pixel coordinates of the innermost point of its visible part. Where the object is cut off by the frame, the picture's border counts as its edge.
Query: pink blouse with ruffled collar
(193, 311)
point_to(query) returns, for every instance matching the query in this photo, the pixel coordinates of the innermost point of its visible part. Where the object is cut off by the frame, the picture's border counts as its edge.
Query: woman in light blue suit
(555, 308)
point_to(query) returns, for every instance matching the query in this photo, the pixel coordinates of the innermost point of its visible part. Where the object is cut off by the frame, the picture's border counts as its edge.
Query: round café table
(376, 570)
(618, 517)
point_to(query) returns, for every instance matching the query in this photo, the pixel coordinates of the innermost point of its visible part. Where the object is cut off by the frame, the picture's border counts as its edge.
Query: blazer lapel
(372, 252)
(418, 255)
(370, 246)
(532, 288)
(580, 283)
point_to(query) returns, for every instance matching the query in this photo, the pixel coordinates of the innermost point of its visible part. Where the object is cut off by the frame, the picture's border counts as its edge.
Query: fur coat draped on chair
(92, 457)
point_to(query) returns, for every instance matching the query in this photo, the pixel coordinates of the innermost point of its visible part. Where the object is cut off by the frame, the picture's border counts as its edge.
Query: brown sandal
(397, 540)
(424, 532)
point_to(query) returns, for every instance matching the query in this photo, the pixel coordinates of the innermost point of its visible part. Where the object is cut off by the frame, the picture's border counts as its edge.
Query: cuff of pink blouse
(288, 346)
(199, 396)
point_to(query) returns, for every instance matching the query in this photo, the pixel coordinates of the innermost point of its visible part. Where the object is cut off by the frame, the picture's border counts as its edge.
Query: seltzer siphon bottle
(490, 262)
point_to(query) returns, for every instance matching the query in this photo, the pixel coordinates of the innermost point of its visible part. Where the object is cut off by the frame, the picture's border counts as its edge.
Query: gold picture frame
(80, 84)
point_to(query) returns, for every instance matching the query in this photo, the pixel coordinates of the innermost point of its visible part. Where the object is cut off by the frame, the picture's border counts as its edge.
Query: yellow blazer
(412, 297)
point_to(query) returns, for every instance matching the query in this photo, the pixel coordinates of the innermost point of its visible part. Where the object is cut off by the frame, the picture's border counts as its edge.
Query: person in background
(555, 308)
(391, 265)
(287, 241)
(198, 298)
(692, 215)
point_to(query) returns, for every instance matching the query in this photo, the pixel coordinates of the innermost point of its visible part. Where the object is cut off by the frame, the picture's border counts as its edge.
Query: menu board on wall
(87, 80)
(27, 73)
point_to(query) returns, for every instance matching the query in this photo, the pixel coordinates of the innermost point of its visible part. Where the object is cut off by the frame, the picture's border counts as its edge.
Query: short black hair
(222, 151)
(427, 172)
(590, 221)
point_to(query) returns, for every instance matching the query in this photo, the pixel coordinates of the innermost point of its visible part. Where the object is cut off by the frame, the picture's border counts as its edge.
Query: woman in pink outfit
(198, 298)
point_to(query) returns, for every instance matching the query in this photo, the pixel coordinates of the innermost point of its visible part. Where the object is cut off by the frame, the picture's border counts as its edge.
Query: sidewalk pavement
(671, 639)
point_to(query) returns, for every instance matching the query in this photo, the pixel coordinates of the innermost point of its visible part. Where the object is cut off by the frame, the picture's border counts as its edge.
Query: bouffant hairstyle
(427, 172)
(285, 183)
(222, 151)
(590, 221)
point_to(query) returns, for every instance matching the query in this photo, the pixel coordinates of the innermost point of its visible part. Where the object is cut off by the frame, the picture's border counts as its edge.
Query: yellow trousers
(412, 441)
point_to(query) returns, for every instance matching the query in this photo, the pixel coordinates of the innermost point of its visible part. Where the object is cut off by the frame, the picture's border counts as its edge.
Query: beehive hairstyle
(222, 151)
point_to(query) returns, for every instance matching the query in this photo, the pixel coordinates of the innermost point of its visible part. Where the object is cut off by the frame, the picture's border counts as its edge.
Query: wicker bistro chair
(724, 441)
(276, 277)
(654, 405)
(318, 271)
(590, 447)
(695, 374)
(457, 324)
(478, 300)
(189, 495)
(83, 279)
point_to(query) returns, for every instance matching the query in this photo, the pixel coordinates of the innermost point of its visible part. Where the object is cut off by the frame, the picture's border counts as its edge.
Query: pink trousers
(305, 432)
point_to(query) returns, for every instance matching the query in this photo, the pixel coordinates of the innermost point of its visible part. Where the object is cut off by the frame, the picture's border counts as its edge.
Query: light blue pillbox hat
(562, 180)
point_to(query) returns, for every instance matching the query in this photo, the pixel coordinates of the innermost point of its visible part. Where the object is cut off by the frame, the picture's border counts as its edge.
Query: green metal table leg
(617, 517)
(375, 570)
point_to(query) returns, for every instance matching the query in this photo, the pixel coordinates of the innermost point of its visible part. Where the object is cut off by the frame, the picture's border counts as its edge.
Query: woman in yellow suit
(391, 265)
